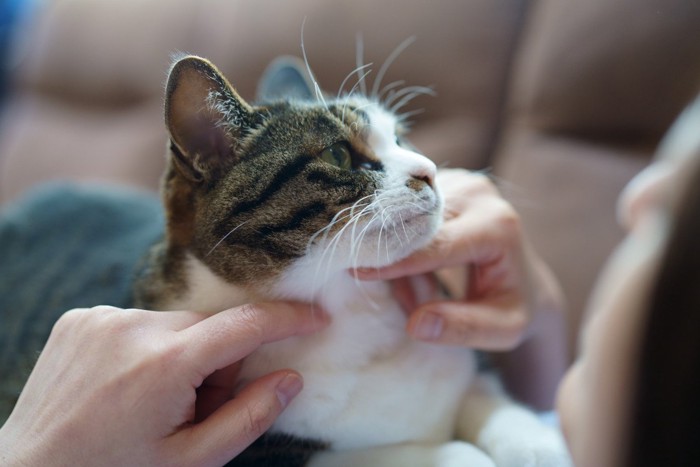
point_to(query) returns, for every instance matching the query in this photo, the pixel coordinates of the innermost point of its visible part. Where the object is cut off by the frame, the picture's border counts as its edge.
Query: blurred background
(562, 102)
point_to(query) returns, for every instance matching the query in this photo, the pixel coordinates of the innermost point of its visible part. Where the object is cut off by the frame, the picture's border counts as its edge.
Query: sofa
(560, 102)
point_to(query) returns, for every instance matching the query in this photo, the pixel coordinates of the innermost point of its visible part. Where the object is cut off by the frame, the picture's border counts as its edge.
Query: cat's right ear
(205, 117)
(285, 78)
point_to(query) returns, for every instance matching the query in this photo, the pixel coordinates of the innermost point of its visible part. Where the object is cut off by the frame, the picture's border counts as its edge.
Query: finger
(402, 290)
(230, 335)
(215, 391)
(412, 291)
(482, 235)
(494, 324)
(179, 320)
(239, 422)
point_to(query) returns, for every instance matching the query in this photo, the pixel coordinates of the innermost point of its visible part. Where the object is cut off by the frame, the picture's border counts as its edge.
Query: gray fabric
(63, 247)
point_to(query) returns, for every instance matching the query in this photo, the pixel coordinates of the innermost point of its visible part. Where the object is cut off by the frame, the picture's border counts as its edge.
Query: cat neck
(335, 291)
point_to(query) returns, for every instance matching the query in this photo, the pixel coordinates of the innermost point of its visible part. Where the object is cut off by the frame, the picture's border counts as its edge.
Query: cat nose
(421, 176)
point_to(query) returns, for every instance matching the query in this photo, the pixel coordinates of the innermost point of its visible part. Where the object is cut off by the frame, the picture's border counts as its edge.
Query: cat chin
(398, 250)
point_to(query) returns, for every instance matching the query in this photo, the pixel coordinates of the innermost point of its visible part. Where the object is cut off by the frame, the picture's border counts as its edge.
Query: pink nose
(420, 176)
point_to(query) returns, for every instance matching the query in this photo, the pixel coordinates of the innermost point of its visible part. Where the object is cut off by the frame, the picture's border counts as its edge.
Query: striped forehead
(365, 117)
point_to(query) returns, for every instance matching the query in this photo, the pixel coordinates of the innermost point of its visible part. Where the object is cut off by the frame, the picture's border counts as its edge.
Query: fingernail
(363, 273)
(429, 326)
(288, 388)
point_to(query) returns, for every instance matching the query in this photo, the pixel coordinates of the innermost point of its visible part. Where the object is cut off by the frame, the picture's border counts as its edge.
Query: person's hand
(506, 282)
(133, 387)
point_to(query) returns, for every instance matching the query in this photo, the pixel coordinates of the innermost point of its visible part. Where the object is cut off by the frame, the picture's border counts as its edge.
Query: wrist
(11, 451)
(21, 449)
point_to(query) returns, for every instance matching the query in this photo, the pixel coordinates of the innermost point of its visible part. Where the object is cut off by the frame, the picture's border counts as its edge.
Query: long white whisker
(408, 90)
(387, 63)
(345, 80)
(317, 89)
(395, 108)
(226, 236)
(403, 225)
(389, 87)
(406, 115)
(359, 60)
(336, 218)
(337, 237)
(347, 98)
(355, 241)
(329, 250)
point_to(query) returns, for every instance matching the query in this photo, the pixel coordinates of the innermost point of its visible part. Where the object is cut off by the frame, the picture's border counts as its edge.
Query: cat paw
(548, 451)
(460, 454)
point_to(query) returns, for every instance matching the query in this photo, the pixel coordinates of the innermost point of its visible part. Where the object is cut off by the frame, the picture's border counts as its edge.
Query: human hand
(506, 282)
(133, 387)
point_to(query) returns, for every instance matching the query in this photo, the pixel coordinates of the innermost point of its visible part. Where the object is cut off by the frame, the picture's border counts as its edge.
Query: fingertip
(318, 319)
(288, 388)
(426, 325)
(365, 274)
(240, 421)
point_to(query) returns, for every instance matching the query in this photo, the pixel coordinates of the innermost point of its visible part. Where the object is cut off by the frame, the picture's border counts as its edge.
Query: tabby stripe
(318, 176)
(285, 174)
(266, 245)
(298, 218)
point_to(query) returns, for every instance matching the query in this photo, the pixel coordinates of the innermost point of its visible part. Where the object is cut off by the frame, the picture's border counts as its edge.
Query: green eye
(338, 155)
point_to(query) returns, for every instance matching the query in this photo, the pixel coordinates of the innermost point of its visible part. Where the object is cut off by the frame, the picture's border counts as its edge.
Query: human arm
(133, 387)
(513, 304)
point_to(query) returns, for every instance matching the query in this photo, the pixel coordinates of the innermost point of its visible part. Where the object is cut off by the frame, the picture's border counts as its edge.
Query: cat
(278, 200)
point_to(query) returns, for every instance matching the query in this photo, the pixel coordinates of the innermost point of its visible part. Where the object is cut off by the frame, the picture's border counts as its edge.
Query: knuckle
(259, 419)
(466, 331)
(248, 320)
(507, 219)
(83, 317)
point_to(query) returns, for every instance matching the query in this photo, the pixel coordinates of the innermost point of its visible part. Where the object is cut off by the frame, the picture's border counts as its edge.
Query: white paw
(545, 451)
(461, 454)
(515, 437)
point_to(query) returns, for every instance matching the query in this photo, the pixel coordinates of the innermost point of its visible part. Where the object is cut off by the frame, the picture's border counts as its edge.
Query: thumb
(239, 422)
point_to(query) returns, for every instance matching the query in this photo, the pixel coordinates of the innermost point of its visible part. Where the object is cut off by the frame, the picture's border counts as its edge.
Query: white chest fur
(366, 382)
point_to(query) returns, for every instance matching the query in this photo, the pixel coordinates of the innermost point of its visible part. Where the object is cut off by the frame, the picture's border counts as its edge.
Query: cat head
(298, 178)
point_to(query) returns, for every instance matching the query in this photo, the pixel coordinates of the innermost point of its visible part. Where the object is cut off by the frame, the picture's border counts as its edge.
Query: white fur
(377, 396)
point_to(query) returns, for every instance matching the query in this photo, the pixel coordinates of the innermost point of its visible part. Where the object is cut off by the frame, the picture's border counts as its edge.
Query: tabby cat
(277, 201)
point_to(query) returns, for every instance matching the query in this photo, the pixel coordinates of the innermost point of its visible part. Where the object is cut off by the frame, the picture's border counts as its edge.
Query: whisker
(387, 63)
(355, 71)
(406, 115)
(359, 60)
(395, 108)
(408, 90)
(389, 87)
(329, 250)
(317, 89)
(336, 241)
(347, 98)
(225, 237)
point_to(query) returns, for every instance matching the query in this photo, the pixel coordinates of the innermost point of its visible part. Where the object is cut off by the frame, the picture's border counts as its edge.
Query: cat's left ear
(205, 117)
(285, 78)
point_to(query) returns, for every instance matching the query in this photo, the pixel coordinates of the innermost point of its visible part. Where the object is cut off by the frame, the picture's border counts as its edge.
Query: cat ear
(285, 78)
(205, 117)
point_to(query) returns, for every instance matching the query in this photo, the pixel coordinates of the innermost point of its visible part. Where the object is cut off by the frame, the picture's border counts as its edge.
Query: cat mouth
(403, 219)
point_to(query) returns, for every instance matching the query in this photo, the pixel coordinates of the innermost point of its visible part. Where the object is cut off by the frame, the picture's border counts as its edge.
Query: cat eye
(338, 155)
